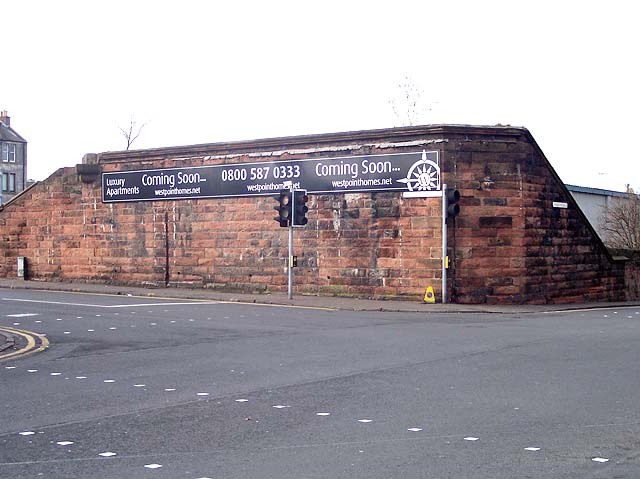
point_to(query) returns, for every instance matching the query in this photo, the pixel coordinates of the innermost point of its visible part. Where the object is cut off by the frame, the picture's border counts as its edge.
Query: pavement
(9, 340)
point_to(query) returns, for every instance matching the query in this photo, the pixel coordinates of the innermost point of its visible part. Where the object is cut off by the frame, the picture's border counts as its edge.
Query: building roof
(9, 134)
(596, 191)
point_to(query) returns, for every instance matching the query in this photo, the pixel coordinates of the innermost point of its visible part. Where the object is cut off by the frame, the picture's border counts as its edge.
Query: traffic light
(300, 200)
(453, 208)
(283, 208)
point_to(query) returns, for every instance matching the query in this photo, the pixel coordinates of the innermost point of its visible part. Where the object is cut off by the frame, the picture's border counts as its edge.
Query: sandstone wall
(508, 245)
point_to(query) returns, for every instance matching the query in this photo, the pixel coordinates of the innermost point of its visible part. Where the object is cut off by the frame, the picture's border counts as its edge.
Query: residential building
(13, 160)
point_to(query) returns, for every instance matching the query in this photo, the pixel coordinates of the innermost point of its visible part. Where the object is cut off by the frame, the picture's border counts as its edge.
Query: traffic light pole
(292, 212)
(286, 218)
(290, 262)
(444, 244)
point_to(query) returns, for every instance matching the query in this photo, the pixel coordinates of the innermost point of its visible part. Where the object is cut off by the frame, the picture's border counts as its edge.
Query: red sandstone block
(428, 223)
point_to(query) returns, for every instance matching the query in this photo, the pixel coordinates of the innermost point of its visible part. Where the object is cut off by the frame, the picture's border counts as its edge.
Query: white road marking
(532, 449)
(21, 315)
(27, 433)
(64, 443)
(414, 429)
(471, 438)
(153, 466)
(140, 305)
(323, 414)
(242, 400)
(107, 454)
(600, 459)
(365, 420)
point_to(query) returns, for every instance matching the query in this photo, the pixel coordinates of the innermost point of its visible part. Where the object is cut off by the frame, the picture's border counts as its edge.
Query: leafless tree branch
(621, 223)
(132, 131)
(407, 103)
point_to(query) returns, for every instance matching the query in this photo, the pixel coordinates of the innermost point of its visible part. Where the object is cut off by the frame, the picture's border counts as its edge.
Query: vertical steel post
(444, 244)
(290, 261)
(290, 289)
(167, 276)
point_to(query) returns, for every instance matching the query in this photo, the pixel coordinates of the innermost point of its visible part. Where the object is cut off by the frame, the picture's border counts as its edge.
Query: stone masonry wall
(366, 244)
(564, 257)
(511, 245)
(487, 239)
(508, 245)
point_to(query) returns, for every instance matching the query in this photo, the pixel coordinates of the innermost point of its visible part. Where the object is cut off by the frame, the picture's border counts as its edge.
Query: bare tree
(132, 131)
(621, 222)
(407, 104)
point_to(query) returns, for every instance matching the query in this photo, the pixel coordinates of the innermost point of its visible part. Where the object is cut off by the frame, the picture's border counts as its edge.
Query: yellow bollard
(429, 297)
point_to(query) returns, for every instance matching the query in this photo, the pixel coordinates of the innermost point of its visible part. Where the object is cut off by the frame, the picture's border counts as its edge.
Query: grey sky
(205, 71)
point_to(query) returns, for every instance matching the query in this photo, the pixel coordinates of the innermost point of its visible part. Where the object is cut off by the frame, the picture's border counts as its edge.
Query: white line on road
(111, 306)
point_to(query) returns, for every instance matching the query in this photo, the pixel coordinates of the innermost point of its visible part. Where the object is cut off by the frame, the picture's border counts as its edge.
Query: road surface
(162, 388)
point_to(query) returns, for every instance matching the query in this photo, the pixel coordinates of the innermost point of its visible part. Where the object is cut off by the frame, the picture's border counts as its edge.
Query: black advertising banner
(414, 174)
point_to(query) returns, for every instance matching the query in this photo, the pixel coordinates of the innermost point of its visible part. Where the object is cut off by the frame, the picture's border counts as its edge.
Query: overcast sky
(73, 72)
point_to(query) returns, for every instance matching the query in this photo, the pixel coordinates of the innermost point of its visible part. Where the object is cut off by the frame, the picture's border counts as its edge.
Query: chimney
(4, 118)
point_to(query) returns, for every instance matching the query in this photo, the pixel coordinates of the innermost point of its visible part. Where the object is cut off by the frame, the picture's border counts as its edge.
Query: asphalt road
(150, 388)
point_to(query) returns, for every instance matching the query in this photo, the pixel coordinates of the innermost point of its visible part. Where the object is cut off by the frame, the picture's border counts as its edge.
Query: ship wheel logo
(424, 175)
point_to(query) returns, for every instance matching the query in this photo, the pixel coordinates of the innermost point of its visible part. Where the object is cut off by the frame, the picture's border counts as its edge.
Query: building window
(9, 182)
(9, 152)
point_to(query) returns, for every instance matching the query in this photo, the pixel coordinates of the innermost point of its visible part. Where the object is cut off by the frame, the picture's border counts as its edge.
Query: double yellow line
(32, 343)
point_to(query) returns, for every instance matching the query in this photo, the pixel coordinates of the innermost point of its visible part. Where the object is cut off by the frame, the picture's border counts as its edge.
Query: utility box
(22, 267)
